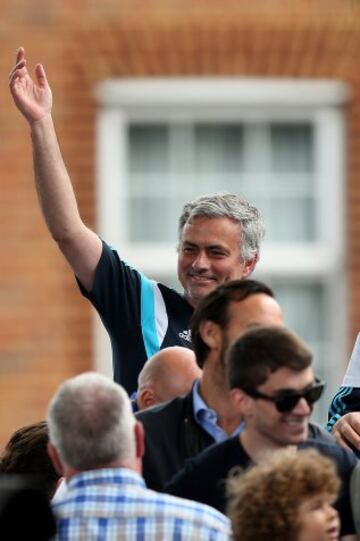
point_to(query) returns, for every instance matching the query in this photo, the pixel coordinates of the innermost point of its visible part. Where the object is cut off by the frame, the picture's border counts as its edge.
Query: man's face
(257, 309)
(276, 428)
(209, 255)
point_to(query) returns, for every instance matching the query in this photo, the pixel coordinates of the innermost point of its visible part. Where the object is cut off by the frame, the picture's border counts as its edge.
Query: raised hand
(32, 98)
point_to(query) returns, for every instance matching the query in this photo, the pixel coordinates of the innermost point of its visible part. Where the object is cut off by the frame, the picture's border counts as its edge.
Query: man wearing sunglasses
(274, 388)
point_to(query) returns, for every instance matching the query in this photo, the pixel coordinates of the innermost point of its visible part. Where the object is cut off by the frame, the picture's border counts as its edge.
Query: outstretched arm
(80, 245)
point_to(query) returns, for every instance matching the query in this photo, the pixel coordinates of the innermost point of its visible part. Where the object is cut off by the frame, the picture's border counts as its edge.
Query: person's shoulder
(166, 409)
(190, 510)
(111, 256)
(174, 299)
(318, 433)
(333, 450)
(108, 249)
(214, 454)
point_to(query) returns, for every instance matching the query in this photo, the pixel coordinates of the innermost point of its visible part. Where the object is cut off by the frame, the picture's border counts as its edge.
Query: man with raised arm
(219, 240)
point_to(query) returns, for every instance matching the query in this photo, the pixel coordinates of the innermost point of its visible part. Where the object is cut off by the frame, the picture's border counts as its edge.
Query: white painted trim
(224, 92)
(111, 185)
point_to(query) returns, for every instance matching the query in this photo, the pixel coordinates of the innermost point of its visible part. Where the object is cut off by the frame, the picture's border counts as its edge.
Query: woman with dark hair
(26, 454)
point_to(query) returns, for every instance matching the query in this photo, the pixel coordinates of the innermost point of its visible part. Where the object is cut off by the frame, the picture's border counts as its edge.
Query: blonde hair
(264, 501)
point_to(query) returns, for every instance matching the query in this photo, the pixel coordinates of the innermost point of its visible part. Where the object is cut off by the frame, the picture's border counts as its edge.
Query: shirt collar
(207, 417)
(102, 476)
(199, 405)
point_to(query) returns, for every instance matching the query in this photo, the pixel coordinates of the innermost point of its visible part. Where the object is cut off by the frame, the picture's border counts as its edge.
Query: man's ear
(55, 459)
(210, 333)
(146, 398)
(250, 265)
(241, 401)
(139, 439)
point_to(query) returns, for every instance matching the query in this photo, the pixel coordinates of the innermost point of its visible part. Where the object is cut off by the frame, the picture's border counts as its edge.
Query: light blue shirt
(207, 417)
(114, 503)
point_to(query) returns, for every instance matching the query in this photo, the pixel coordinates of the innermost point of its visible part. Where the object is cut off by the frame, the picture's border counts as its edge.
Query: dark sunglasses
(286, 401)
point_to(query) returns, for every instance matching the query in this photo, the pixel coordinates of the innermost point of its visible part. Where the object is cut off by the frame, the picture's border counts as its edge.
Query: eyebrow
(208, 247)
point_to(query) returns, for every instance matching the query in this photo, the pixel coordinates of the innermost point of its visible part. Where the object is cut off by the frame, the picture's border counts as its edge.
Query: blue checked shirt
(114, 504)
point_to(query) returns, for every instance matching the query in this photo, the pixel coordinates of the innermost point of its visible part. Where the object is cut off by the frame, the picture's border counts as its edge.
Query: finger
(20, 54)
(17, 68)
(351, 435)
(41, 76)
(354, 420)
(340, 439)
(349, 429)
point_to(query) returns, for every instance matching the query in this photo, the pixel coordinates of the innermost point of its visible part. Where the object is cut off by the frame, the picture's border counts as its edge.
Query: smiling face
(274, 428)
(209, 255)
(318, 520)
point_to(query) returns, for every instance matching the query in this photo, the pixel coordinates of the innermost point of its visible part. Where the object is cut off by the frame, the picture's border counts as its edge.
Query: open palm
(33, 99)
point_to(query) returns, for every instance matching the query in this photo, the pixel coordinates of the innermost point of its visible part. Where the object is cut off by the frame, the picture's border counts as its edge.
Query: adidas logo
(185, 335)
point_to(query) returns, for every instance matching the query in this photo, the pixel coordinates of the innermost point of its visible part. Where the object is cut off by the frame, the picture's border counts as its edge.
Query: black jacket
(172, 435)
(203, 477)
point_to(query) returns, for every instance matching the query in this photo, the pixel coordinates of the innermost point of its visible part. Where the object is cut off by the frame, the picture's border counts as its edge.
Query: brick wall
(45, 325)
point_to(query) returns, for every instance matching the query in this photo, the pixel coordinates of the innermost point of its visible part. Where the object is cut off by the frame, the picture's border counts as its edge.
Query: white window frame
(126, 101)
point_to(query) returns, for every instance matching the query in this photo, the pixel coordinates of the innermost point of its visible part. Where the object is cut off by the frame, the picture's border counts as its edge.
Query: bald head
(169, 373)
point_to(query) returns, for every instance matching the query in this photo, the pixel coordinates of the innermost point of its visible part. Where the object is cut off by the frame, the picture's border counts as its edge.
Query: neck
(132, 464)
(216, 396)
(258, 447)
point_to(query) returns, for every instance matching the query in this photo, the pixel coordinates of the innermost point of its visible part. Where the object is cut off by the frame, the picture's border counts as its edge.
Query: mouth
(201, 278)
(296, 422)
(333, 532)
(296, 427)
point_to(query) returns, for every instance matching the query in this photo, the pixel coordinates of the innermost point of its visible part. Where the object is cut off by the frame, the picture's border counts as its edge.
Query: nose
(302, 408)
(201, 262)
(331, 512)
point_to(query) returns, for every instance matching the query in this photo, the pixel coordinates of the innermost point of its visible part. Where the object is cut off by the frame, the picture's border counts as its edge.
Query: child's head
(288, 497)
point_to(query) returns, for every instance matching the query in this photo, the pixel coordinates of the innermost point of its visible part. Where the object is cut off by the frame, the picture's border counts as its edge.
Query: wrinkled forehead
(210, 224)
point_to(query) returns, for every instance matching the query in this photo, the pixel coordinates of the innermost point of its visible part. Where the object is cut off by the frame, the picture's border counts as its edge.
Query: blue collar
(207, 417)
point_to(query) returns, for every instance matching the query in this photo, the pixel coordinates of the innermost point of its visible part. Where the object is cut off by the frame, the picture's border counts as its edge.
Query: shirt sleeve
(345, 400)
(116, 290)
(116, 296)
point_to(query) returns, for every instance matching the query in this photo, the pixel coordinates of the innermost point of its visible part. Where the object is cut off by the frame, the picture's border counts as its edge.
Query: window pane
(269, 164)
(218, 148)
(153, 219)
(291, 219)
(148, 148)
(292, 147)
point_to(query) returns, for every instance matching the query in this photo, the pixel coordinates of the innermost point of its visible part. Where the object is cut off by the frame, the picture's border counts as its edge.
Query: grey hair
(234, 207)
(91, 423)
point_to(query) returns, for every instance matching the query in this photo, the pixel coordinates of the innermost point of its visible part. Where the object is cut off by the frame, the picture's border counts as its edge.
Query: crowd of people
(205, 432)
